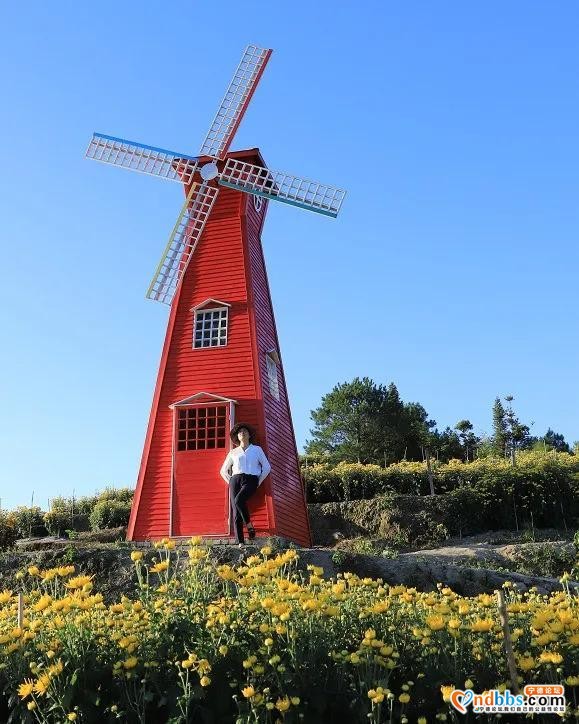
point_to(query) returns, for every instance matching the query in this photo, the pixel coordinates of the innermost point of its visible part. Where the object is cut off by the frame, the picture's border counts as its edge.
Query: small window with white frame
(272, 359)
(210, 325)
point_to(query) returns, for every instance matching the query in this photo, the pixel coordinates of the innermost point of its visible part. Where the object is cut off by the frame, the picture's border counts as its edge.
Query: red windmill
(221, 359)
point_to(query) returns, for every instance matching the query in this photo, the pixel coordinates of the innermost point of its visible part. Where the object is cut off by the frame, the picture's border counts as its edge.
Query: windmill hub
(209, 171)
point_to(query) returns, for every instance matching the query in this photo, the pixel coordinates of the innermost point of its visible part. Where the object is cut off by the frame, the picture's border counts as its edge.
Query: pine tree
(499, 428)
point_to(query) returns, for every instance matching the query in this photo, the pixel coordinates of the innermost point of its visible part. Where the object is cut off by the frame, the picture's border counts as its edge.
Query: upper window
(272, 359)
(210, 327)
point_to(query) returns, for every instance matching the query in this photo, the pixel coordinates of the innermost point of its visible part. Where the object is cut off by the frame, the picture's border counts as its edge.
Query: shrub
(29, 521)
(541, 490)
(109, 513)
(8, 530)
(59, 520)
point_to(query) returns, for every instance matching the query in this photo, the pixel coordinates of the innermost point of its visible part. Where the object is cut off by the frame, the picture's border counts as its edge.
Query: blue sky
(452, 270)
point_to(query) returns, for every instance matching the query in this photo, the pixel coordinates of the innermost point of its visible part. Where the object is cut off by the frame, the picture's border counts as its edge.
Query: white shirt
(251, 461)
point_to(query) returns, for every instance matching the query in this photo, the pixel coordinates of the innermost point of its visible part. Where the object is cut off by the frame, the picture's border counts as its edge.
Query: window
(201, 428)
(271, 358)
(210, 327)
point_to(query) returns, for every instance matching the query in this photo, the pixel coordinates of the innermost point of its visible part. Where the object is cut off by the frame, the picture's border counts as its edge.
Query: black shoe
(250, 532)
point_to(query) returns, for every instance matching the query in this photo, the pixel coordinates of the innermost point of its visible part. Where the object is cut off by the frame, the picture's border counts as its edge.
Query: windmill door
(200, 495)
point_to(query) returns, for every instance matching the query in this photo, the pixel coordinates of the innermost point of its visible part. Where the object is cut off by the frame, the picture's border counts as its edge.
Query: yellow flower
(283, 704)
(223, 650)
(136, 556)
(468, 684)
(268, 642)
(295, 700)
(482, 625)
(196, 540)
(266, 550)
(404, 698)
(204, 681)
(446, 692)
(130, 663)
(33, 571)
(42, 684)
(79, 582)
(435, 623)
(42, 603)
(31, 705)
(56, 668)
(526, 663)
(71, 716)
(421, 720)
(25, 689)
(248, 692)
(159, 567)
(5, 596)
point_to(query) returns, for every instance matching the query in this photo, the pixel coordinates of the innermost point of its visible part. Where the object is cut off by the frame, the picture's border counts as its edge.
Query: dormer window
(210, 324)
(272, 360)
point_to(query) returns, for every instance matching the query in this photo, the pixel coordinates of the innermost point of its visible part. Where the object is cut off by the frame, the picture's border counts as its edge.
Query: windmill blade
(144, 159)
(182, 242)
(235, 101)
(282, 186)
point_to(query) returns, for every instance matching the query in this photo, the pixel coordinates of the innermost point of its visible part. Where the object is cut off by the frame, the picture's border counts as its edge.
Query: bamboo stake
(508, 641)
(20, 610)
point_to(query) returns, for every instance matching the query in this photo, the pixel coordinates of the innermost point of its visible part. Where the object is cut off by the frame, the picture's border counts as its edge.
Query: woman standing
(245, 468)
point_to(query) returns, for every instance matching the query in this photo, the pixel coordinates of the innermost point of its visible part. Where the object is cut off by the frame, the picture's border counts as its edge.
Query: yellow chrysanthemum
(482, 625)
(26, 688)
(435, 623)
(159, 567)
(41, 685)
(78, 582)
(283, 704)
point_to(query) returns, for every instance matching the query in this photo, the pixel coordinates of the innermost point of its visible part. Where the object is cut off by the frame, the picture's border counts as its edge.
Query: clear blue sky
(452, 270)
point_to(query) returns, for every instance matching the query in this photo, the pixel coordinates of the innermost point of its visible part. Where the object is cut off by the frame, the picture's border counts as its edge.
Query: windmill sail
(182, 242)
(143, 159)
(235, 101)
(282, 186)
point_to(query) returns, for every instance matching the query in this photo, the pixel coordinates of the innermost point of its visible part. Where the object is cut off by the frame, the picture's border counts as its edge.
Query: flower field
(266, 642)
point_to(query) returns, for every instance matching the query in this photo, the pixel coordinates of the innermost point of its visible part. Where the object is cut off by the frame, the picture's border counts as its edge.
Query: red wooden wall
(227, 265)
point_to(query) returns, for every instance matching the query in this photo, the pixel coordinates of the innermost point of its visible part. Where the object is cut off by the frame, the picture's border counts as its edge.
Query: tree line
(362, 421)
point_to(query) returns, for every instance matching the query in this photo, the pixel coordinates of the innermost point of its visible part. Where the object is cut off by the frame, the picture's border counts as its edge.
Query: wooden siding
(291, 518)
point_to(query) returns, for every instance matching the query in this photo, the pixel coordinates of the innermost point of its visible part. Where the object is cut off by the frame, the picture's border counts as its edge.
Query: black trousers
(241, 488)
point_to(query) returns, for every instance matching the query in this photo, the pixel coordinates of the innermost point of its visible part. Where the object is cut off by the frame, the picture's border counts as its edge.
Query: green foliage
(555, 441)
(358, 421)
(110, 513)
(28, 521)
(499, 428)
(74, 514)
(8, 530)
(541, 491)
(59, 521)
